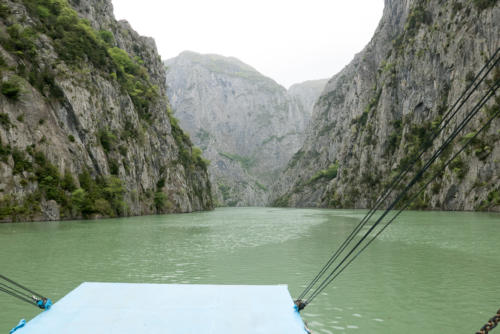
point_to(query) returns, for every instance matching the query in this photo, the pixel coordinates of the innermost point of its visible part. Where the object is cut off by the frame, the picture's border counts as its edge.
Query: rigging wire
(334, 275)
(478, 106)
(15, 290)
(16, 296)
(489, 65)
(20, 286)
(35, 298)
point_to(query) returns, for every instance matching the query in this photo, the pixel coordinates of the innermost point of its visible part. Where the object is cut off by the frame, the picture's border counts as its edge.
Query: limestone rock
(85, 127)
(382, 107)
(246, 124)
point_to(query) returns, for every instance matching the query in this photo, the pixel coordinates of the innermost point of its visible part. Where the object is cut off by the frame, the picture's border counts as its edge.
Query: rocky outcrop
(85, 123)
(381, 109)
(246, 124)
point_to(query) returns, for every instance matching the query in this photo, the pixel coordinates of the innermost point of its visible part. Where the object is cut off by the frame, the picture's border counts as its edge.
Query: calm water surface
(430, 272)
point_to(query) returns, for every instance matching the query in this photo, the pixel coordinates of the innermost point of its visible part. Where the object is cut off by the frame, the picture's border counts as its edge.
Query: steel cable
(490, 64)
(334, 275)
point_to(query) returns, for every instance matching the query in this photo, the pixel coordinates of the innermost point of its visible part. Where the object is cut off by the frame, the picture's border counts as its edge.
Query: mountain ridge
(246, 124)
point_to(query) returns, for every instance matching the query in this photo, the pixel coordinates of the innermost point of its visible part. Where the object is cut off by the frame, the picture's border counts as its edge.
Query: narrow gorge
(94, 124)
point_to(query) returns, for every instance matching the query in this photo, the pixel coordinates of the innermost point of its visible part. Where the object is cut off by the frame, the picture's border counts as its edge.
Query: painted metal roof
(170, 308)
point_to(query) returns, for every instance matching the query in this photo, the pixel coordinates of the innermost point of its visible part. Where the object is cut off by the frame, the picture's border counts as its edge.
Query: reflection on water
(430, 272)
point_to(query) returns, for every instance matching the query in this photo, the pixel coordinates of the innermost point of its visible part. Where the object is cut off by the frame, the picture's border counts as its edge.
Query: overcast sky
(288, 40)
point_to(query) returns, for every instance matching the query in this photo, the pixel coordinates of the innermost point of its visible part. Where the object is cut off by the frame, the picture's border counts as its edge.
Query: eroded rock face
(383, 106)
(246, 124)
(88, 132)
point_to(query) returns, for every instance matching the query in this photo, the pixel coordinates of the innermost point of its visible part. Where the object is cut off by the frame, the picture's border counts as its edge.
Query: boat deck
(170, 308)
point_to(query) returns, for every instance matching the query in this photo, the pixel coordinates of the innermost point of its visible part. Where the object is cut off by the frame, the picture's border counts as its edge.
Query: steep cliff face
(245, 123)
(381, 109)
(85, 124)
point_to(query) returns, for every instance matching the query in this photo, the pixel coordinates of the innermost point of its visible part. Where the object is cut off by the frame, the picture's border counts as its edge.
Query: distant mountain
(246, 124)
(307, 92)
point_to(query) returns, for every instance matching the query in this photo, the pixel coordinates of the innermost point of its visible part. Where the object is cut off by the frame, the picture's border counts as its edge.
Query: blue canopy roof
(170, 308)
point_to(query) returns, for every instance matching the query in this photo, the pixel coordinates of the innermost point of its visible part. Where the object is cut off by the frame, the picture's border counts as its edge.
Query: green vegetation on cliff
(76, 43)
(83, 132)
(100, 195)
(245, 162)
(327, 174)
(189, 156)
(378, 114)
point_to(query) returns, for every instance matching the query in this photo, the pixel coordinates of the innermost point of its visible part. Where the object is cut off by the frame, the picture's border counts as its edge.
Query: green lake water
(429, 272)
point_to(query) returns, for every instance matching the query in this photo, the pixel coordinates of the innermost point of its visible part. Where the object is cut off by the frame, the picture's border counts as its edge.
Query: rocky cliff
(381, 109)
(246, 124)
(85, 124)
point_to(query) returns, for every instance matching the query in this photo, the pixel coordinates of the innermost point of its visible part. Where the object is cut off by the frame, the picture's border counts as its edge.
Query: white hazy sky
(288, 40)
